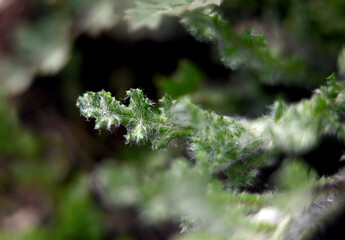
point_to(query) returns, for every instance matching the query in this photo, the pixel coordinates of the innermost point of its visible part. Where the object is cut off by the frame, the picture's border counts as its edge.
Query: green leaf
(341, 62)
(221, 143)
(295, 176)
(141, 120)
(14, 139)
(180, 193)
(222, 139)
(298, 127)
(99, 16)
(45, 44)
(78, 217)
(240, 50)
(149, 13)
(185, 80)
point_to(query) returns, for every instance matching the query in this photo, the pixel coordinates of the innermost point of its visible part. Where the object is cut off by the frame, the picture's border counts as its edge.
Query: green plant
(202, 169)
(225, 153)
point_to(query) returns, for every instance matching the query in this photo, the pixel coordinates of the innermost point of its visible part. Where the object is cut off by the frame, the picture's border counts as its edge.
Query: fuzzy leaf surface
(217, 142)
(238, 50)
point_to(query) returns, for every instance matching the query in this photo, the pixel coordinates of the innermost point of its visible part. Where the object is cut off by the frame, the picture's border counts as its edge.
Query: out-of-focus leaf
(295, 176)
(341, 62)
(184, 81)
(14, 77)
(42, 46)
(77, 217)
(45, 45)
(15, 140)
(100, 16)
(179, 193)
(247, 50)
(149, 13)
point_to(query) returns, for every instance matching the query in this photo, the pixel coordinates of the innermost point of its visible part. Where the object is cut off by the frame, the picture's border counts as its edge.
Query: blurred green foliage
(75, 218)
(185, 80)
(14, 139)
